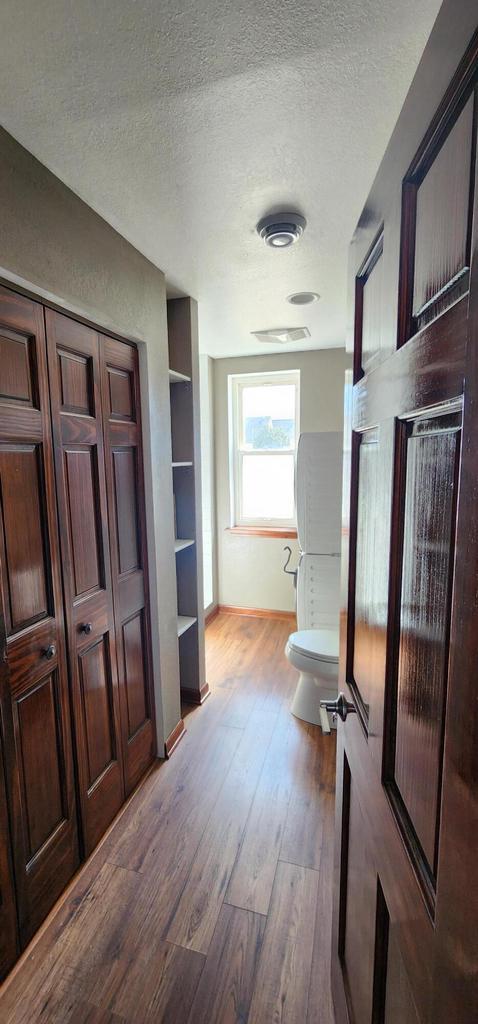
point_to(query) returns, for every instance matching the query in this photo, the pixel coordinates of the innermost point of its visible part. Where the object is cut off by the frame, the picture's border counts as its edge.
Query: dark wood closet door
(74, 369)
(8, 914)
(35, 715)
(124, 479)
(405, 945)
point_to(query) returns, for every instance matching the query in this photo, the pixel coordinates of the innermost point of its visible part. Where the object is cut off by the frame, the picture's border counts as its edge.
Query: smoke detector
(279, 230)
(282, 335)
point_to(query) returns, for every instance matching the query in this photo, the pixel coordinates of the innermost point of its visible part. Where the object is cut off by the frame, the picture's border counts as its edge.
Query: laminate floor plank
(147, 931)
(253, 875)
(283, 975)
(225, 990)
(320, 1007)
(195, 918)
(314, 773)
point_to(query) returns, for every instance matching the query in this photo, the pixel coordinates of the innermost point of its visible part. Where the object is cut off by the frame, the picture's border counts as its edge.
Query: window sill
(289, 533)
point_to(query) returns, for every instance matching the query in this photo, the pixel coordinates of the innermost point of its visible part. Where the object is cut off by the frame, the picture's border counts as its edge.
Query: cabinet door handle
(87, 628)
(49, 652)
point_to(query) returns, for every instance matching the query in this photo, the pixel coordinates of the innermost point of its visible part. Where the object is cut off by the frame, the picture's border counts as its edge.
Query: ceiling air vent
(282, 335)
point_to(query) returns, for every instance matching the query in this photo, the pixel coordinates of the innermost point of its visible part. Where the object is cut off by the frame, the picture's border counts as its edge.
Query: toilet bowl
(315, 654)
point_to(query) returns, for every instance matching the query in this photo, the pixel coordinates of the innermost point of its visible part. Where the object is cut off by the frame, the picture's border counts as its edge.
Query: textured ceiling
(182, 127)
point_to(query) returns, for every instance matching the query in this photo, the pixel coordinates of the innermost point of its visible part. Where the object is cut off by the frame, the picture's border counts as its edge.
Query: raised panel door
(36, 705)
(74, 371)
(406, 899)
(8, 914)
(124, 477)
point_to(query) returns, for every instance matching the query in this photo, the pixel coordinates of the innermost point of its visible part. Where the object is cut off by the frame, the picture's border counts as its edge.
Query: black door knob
(49, 652)
(87, 628)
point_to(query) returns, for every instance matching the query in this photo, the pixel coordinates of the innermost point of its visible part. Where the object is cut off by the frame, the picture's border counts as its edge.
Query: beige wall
(250, 568)
(54, 245)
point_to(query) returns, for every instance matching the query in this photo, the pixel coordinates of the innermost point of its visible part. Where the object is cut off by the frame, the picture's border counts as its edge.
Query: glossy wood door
(127, 528)
(74, 371)
(405, 947)
(8, 913)
(35, 704)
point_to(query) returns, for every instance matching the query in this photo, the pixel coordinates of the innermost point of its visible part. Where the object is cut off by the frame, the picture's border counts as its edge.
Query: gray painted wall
(54, 245)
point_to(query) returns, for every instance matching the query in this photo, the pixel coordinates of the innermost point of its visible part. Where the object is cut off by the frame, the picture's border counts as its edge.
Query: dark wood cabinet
(37, 722)
(73, 579)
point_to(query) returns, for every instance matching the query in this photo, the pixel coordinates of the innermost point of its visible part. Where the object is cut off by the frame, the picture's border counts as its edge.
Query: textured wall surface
(183, 123)
(54, 245)
(250, 568)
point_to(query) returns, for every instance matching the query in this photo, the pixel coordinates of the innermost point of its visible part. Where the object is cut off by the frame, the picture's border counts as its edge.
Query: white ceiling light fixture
(280, 230)
(282, 335)
(303, 298)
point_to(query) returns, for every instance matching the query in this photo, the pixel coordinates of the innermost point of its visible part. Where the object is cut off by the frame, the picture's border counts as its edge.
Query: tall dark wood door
(75, 388)
(8, 914)
(405, 946)
(35, 703)
(124, 479)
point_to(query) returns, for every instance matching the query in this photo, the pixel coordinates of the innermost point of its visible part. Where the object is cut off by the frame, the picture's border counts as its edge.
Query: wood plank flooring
(209, 902)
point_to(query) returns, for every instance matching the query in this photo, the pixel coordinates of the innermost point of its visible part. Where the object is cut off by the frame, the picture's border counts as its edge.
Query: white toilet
(314, 649)
(315, 654)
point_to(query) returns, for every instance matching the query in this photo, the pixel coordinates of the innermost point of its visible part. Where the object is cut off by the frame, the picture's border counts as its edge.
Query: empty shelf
(178, 378)
(180, 544)
(176, 464)
(184, 622)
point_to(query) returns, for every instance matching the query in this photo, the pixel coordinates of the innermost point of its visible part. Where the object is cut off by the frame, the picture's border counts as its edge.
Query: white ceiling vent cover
(282, 335)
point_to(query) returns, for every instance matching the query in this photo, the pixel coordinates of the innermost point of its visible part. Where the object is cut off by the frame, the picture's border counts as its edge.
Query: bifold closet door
(8, 916)
(124, 479)
(35, 700)
(74, 369)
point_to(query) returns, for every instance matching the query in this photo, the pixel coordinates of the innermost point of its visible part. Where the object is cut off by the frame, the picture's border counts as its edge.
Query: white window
(264, 430)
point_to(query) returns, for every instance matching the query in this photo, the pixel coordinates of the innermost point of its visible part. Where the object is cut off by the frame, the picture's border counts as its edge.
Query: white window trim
(236, 383)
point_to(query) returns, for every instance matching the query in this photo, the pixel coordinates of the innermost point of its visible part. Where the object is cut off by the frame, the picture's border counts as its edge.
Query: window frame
(237, 382)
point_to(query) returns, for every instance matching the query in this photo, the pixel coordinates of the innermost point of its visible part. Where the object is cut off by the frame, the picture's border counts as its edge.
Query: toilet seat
(317, 644)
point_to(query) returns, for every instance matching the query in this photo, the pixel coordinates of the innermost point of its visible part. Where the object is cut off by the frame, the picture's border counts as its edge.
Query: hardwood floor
(210, 898)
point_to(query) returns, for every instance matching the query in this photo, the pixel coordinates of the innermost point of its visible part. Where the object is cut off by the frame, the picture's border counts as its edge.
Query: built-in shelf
(176, 465)
(178, 378)
(184, 623)
(180, 544)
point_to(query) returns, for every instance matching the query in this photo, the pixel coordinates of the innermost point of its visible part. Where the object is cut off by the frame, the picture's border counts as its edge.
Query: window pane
(268, 416)
(268, 486)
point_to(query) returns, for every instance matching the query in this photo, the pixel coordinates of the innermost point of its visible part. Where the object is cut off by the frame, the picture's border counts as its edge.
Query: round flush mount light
(279, 230)
(303, 298)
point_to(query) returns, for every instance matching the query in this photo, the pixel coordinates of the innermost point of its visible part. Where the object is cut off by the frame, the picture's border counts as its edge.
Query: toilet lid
(322, 644)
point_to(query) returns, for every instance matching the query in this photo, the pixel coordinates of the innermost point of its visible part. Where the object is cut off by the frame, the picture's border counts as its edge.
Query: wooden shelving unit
(185, 436)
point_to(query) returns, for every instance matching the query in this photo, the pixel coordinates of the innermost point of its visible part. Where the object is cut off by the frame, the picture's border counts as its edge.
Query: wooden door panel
(18, 379)
(74, 369)
(25, 577)
(406, 772)
(127, 525)
(399, 1005)
(8, 910)
(357, 939)
(134, 641)
(97, 698)
(442, 214)
(121, 410)
(430, 452)
(82, 488)
(36, 715)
